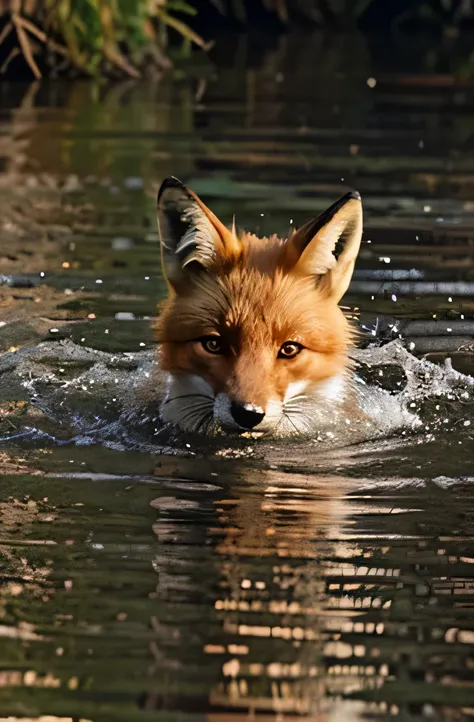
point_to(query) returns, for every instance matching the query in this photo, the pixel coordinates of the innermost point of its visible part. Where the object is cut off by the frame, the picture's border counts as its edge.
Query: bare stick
(31, 28)
(5, 32)
(26, 48)
(12, 54)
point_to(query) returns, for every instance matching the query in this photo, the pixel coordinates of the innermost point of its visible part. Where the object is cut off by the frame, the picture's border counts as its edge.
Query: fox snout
(234, 414)
(192, 403)
(246, 415)
(249, 391)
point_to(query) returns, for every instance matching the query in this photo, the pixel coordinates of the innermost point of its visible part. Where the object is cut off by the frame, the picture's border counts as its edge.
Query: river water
(144, 579)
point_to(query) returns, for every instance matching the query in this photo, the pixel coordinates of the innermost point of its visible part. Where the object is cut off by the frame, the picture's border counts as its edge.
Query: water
(143, 578)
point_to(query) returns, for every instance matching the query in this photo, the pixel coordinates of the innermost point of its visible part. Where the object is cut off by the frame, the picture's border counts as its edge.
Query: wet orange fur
(255, 303)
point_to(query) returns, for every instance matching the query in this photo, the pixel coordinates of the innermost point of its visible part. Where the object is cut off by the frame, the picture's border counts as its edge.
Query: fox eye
(290, 349)
(212, 344)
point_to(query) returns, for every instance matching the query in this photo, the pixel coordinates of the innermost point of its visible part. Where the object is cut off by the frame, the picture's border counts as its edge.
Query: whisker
(205, 423)
(195, 409)
(296, 398)
(192, 416)
(304, 422)
(296, 408)
(287, 417)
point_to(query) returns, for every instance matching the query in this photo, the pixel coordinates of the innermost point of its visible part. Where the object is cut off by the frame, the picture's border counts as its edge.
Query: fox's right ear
(191, 236)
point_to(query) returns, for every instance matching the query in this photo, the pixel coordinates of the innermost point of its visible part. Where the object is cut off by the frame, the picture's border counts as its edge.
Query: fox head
(251, 333)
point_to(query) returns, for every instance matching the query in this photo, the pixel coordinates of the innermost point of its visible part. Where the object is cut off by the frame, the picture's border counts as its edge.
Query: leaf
(78, 22)
(63, 10)
(181, 6)
(183, 29)
(112, 54)
(70, 38)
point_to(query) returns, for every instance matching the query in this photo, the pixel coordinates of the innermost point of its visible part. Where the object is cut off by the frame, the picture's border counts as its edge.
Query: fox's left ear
(191, 236)
(310, 250)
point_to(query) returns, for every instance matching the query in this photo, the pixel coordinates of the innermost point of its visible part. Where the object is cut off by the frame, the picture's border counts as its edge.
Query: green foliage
(96, 34)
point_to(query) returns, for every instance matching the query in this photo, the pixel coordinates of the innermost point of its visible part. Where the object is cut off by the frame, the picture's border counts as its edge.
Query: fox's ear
(191, 236)
(310, 250)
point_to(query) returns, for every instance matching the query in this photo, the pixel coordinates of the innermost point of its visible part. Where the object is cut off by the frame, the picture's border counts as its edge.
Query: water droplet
(124, 316)
(121, 244)
(133, 182)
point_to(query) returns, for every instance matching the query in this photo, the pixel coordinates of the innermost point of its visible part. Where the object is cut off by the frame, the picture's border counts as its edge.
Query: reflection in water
(279, 598)
(253, 591)
(322, 593)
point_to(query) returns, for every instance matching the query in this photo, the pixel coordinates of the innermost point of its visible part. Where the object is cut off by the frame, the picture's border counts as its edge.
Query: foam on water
(60, 392)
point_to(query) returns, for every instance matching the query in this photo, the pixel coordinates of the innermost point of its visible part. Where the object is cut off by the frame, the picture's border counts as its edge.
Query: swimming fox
(251, 334)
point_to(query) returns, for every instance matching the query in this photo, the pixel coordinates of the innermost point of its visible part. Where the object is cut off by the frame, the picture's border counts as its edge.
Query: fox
(251, 336)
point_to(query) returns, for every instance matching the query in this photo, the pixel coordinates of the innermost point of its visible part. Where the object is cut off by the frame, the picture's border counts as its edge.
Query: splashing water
(65, 393)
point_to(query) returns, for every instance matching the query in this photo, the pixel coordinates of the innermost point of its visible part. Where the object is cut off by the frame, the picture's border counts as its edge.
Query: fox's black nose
(246, 415)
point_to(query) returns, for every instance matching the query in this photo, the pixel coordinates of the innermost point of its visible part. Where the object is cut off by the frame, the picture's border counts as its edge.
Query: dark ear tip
(352, 196)
(170, 182)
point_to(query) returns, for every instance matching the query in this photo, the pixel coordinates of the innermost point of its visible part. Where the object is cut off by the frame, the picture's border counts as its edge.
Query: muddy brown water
(331, 584)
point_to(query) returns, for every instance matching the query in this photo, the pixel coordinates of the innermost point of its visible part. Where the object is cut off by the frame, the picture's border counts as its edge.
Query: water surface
(302, 581)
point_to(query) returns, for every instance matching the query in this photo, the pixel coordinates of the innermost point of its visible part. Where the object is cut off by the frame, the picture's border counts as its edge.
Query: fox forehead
(250, 307)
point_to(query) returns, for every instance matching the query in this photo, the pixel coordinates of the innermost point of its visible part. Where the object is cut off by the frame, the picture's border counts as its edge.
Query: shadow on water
(309, 583)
